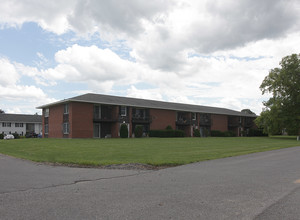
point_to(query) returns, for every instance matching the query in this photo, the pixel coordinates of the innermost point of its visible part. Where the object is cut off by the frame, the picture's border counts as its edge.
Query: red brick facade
(82, 121)
(219, 122)
(55, 121)
(162, 118)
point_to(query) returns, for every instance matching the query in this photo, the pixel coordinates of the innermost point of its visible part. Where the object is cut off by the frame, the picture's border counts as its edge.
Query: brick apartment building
(100, 116)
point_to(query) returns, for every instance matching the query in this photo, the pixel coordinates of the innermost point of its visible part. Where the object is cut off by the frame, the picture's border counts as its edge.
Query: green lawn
(154, 151)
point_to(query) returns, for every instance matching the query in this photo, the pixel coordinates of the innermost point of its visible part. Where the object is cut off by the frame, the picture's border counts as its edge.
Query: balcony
(105, 118)
(233, 124)
(123, 118)
(141, 119)
(248, 124)
(183, 121)
(205, 120)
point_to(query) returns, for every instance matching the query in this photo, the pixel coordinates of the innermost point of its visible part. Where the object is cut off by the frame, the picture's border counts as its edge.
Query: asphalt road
(257, 186)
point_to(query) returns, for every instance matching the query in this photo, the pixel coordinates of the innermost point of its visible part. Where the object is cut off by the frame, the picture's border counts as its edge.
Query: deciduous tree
(282, 110)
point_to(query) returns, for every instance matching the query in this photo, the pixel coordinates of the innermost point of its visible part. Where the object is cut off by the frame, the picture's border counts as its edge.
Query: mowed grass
(153, 151)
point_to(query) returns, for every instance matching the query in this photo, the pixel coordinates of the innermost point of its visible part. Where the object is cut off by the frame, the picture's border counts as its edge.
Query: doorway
(97, 130)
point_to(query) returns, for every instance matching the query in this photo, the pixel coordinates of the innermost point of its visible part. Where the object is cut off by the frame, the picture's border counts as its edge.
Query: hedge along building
(100, 116)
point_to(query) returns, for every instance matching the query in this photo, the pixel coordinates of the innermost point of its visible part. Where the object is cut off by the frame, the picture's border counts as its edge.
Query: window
(19, 125)
(123, 111)
(46, 113)
(46, 128)
(6, 124)
(97, 112)
(66, 109)
(66, 128)
(194, 116)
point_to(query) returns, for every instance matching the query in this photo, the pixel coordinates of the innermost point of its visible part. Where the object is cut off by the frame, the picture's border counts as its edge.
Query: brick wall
(219, 122)
(162, 118)
(81, 120)
(56, 121)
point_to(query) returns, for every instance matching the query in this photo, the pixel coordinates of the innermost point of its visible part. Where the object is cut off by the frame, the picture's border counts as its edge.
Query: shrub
(196, 133)
(124, 131)
(1, 136)
(229, 134)
(138, 131)
(217, 133)
(179, 133)
(16, 135)
(169, 127)
(166, 133)
(256, 133)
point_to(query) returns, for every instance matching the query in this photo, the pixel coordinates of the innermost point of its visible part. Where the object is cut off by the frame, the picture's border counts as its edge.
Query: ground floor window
(66, 128)
(46, 129)
(19, 125)
(6, 124)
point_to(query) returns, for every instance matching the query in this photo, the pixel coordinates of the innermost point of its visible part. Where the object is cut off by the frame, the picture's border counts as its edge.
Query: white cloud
(16, 97)
(8, 73)
(188, 51)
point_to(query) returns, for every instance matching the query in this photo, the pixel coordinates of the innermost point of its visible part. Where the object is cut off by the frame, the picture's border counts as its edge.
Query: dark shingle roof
(134, 102)
(20, 118)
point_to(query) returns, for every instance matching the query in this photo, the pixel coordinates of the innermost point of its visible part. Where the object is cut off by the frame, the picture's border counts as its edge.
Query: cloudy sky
(208, 52)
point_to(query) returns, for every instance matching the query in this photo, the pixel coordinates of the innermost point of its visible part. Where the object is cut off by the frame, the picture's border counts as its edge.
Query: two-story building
(99, 116)
(20, 123)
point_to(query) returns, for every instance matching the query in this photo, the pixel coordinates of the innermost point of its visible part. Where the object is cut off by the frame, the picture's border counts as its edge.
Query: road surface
(257, 186)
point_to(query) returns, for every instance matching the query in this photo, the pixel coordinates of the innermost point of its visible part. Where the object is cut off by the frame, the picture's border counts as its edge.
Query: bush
(16, 135)
(138, 131)
(169, 127)
(124, 131)
(179, 133)
(196, 133)
(166, 133)
(217, 133)
(256, 133)
(1, 136)
(229, 134)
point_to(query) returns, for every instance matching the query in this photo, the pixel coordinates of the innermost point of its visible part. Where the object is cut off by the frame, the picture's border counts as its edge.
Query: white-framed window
(46, 113)
(123, 111)
(6, 124)
(66, 108)
(97, 111)
(19, 125)
(66, 128)
(194, 116)
(46, 128)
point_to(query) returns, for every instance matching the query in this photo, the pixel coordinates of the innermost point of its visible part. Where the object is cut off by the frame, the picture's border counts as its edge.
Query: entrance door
(97, 130)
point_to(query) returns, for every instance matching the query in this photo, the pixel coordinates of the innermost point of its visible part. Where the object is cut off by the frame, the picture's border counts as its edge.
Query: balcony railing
(183, 121)
(205, 122)
(233, 124)
(105, 118)
(141, 119)
(248, 124)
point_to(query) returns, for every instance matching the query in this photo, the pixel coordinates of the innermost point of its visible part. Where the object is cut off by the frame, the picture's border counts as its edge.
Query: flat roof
(145, 103)
(22, 118)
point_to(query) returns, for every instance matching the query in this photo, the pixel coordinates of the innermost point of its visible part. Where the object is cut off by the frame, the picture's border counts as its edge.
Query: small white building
(20, 123)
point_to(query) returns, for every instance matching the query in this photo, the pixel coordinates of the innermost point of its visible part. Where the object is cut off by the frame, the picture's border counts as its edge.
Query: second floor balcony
(141, 119)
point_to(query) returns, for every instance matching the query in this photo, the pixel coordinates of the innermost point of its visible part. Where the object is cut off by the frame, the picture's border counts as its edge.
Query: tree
(282, 110)
(1, 111)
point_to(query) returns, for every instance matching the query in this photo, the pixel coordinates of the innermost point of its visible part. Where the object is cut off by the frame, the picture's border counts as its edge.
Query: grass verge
(152, 151)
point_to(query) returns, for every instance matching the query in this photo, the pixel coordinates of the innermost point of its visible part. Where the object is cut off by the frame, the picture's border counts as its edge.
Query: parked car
(9, 136)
